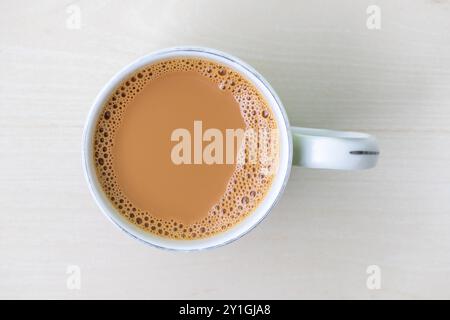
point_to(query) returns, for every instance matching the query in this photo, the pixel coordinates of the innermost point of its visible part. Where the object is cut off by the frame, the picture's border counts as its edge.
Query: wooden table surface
(330, 70)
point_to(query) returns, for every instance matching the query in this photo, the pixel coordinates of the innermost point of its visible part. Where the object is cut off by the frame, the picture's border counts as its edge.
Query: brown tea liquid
(133, 147)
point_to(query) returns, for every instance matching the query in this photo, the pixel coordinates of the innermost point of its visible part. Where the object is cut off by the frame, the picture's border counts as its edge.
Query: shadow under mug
(312, 148)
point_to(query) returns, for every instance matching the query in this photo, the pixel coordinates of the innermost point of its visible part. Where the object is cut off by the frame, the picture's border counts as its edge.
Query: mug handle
(329, 149)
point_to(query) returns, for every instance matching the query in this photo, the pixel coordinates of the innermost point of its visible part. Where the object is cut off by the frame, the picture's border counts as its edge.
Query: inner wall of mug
(247, 223)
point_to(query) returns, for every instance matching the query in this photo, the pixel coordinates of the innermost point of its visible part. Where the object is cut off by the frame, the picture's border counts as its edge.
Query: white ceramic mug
(312, 148)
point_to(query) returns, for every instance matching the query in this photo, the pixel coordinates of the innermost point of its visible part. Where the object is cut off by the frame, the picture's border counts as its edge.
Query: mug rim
(200, 52)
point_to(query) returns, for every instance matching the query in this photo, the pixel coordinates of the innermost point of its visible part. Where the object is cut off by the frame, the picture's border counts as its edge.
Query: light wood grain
(330, 71)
